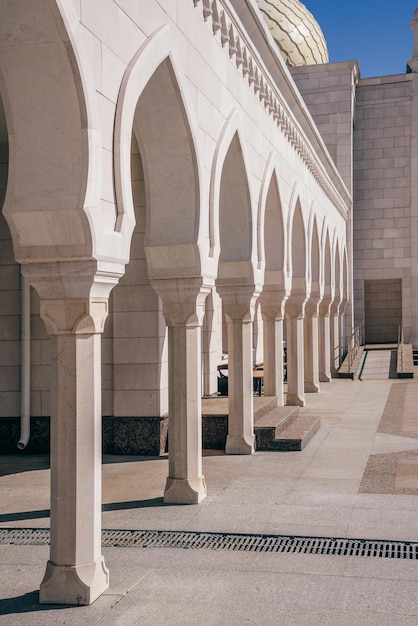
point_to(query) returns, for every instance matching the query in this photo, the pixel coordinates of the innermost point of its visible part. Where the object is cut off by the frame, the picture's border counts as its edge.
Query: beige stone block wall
(383, 310)
(9, 323)
(328, 91)
(382, 188)
(135, 356)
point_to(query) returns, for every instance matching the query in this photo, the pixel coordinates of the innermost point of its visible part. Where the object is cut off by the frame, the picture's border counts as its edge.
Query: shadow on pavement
(27, 603)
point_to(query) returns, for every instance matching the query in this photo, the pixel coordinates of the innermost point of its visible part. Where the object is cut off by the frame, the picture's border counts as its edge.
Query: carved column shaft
(183, 306)
(75, 573)
(334, 337)
(324, 342)
(311, 347)
(272, 309)
(240, 387)
(239, 312)
(295, 347)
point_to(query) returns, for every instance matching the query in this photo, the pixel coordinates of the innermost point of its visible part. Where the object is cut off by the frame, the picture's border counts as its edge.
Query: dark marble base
(121, 435)
(214, 432)
(135, 435)
(10, 435)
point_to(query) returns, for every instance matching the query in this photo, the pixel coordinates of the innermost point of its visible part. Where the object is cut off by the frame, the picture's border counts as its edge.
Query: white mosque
(187, 186)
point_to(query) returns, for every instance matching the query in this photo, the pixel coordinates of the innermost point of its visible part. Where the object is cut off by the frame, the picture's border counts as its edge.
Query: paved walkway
(358, 477)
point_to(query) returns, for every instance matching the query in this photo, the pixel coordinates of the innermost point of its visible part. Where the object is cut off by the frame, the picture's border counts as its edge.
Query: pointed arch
(327, 265)
(52, 182)
(271, 231)
(294, 201)
(235, 215)
(315, 257)
(229, 129)
(345, 280)
(298, 242)
(154, 103)
(337, 272)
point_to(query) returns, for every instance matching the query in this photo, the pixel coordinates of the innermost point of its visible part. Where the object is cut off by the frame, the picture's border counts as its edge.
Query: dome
(296, 32)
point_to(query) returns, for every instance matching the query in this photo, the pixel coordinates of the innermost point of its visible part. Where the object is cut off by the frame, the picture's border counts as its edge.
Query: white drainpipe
(25, 365)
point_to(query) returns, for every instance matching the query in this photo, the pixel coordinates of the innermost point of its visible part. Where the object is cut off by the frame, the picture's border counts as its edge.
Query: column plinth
(74, 584)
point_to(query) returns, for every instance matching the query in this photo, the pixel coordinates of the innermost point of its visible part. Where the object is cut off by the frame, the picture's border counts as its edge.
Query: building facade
(176, 191)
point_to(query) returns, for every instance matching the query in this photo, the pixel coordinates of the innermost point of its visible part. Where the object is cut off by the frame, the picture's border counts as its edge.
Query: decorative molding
(239, 49)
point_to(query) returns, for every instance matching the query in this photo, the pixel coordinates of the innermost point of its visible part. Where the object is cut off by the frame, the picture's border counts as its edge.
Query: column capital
(325, 305)
(312, 305)
(239, 301)
(343, 306)
(295, 305)
(335, 307)
(183, 299)
(273, 303)
(73, 279)
(74, 315)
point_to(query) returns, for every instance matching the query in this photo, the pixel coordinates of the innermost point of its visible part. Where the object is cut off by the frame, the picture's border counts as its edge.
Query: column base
(324, 378)
(240, 445)
(295, 400)
(185, 490)
(311, 388)
(74, 584)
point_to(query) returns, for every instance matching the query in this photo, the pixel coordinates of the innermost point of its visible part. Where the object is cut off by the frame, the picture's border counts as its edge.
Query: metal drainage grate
(225, 541)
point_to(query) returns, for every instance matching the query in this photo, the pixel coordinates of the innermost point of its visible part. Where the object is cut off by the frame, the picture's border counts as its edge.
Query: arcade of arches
(173, 194)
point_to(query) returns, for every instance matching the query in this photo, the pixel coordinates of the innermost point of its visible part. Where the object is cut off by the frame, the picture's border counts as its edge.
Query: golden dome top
(296, 32)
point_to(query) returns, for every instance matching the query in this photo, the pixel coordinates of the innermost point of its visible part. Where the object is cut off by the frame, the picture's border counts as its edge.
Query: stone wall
(383, 310)
(382, 188)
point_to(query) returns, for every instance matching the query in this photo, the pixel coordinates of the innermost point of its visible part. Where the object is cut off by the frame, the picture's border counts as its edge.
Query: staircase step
(296, 435)
(280, 428)
(284, 429)
(264, 405)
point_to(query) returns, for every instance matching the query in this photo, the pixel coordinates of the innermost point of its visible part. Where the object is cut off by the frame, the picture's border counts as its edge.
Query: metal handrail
(354, 345)
(401, 348)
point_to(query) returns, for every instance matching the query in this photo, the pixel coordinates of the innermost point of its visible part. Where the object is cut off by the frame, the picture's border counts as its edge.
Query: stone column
(334, 334)
(343, 326)
(295, 310)
(311, 345)
(324, 341)
(183, 307)
(76, 572)
(239, 302)
(272, 310)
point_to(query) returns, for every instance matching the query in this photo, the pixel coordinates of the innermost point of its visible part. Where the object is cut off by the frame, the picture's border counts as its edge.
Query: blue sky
(374, 32)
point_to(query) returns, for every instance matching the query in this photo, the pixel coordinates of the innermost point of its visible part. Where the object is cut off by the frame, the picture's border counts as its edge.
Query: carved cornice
(242, 52)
